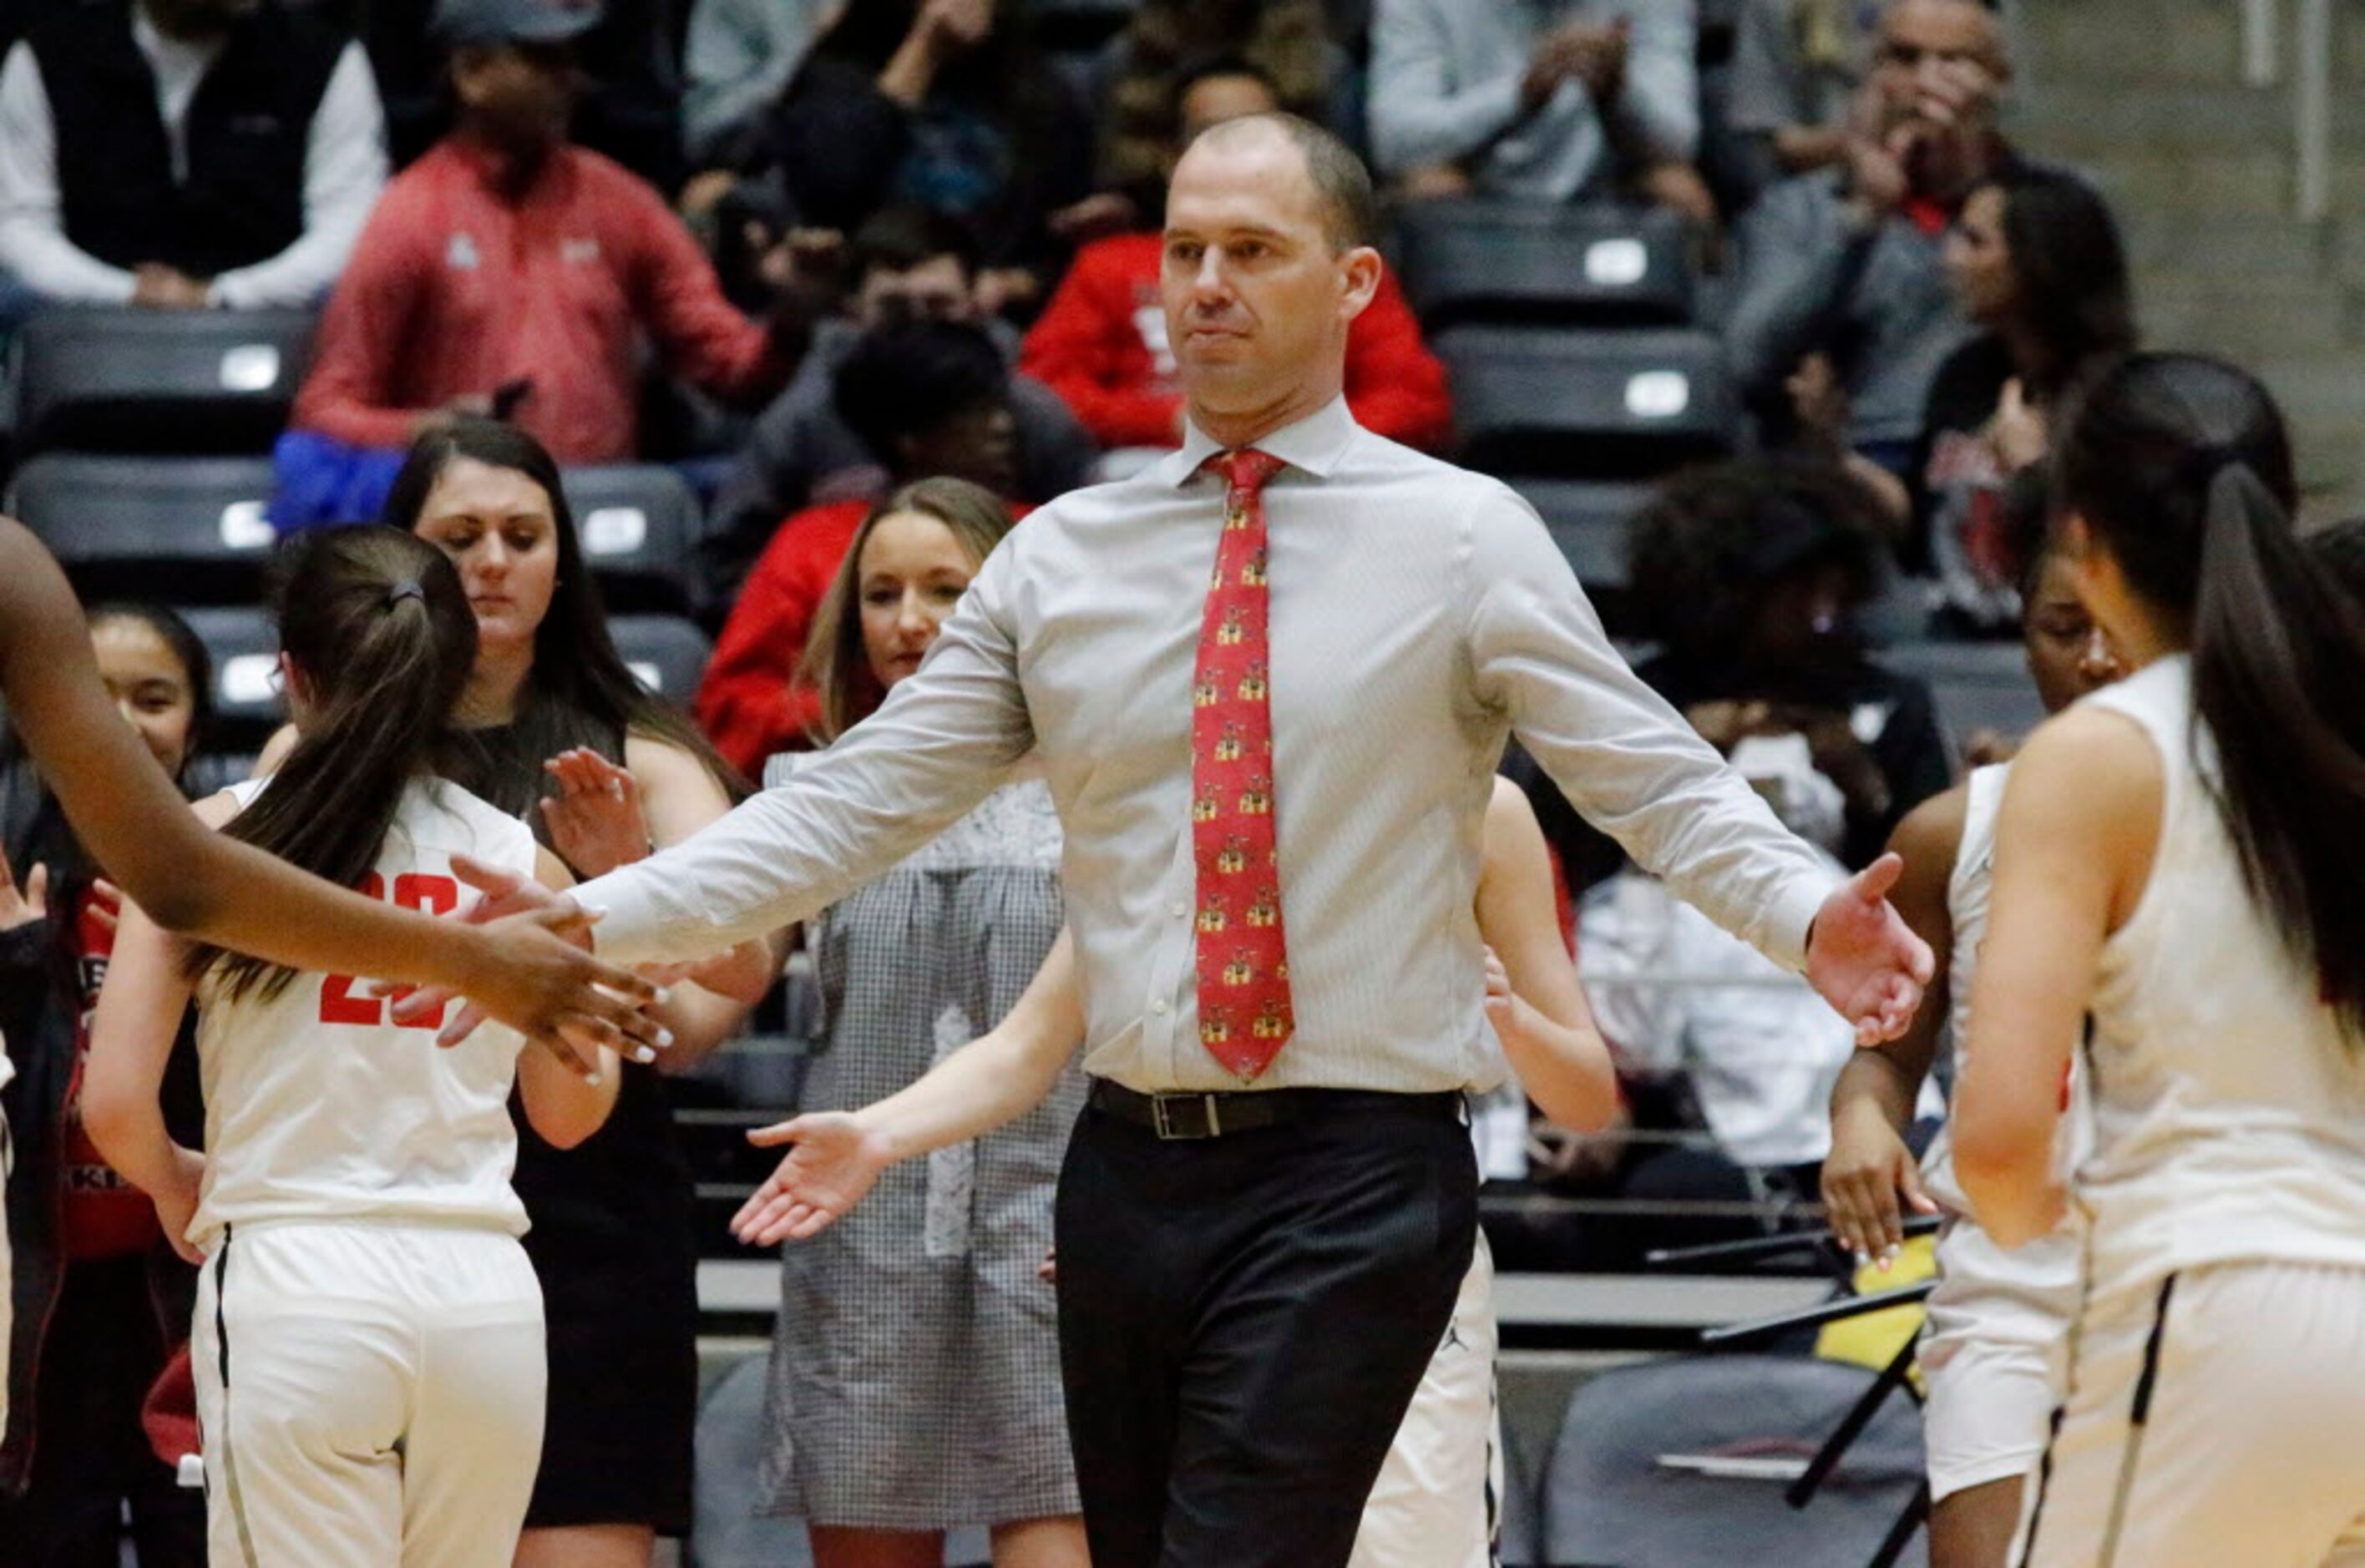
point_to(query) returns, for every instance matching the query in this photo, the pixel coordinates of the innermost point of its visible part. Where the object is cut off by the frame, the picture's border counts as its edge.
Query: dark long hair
(2071, 268)
(575, 666)
(2181, 467)
(379, 628)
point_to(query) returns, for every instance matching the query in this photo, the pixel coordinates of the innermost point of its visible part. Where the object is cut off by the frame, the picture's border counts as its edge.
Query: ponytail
(2180, 466)
(378, 627)
(2278, 668)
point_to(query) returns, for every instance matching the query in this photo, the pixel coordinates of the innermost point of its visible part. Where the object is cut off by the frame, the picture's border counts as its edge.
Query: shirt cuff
(633, 918)
(1791, 917)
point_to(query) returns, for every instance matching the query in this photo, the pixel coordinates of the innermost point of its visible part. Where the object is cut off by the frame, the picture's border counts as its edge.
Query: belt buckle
(1163, 1122)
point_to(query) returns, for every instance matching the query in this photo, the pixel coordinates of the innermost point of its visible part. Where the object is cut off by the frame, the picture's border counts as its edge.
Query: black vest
(248, 126)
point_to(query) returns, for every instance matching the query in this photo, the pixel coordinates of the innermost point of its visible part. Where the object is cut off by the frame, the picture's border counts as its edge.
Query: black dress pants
(1243, 1321)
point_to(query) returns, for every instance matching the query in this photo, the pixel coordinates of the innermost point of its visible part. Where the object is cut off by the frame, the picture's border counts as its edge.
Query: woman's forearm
(996, 1078)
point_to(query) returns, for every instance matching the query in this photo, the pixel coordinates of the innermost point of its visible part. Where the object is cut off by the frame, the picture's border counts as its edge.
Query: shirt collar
(1316, 443)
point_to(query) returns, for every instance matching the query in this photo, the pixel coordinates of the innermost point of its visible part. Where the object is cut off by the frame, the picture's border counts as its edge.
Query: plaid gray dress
(915, 1364)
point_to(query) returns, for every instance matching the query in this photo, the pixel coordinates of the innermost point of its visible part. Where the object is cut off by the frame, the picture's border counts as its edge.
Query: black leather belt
(1184, 1113)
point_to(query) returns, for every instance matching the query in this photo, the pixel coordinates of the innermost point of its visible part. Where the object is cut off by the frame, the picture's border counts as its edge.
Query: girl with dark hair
(102, 1299)
(1995, 1341)
(563, 734)
(2036, 264)
(369, 1370)
(915, 1365)
(2180, 878)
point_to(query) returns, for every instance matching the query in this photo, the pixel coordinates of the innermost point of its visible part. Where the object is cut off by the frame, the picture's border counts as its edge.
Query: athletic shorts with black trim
(1994, 1354)
(369, 1394)
(1438, 1501)
(2213, 1421)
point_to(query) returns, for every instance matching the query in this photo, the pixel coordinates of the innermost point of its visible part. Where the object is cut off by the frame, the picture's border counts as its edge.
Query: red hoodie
(1101, 344)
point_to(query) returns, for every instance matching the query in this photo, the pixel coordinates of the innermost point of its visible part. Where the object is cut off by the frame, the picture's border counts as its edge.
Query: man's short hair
(1350, 210)
(897, 239)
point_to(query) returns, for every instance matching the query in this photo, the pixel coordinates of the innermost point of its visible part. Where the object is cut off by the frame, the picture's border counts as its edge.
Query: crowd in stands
(811, 253)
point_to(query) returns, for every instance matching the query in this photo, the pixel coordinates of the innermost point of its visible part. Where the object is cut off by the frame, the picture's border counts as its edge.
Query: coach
(1273, 789)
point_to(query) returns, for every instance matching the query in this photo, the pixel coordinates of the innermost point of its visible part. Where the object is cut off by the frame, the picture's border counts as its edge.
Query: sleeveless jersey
(319, 1107)
(2229, 1113)
(1970, 890)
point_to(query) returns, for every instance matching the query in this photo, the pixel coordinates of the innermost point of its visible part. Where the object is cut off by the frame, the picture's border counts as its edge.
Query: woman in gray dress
(915, 1365)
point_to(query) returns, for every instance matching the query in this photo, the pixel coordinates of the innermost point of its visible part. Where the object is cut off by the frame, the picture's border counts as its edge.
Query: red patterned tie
(1244, 1011)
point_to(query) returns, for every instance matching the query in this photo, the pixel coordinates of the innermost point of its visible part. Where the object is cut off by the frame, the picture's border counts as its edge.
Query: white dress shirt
(1419, 614)
(344, 169)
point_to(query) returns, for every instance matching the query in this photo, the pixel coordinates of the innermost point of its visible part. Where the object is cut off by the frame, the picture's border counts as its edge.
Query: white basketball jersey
(2229, 1113)
(1970, 890)
(318, 1107)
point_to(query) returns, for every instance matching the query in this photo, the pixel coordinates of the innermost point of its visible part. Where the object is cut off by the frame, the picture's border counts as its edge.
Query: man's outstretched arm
(946, 738)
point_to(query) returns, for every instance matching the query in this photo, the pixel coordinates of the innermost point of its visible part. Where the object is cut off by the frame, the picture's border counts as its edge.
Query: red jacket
(454, 289)
(1101, 344)
(751, 703)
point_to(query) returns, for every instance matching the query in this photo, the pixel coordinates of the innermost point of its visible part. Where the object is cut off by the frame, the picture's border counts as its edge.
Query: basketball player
(368, 1341)
(131, 819)
(1992, 1348)
(2179, 878)
(1434, 1504)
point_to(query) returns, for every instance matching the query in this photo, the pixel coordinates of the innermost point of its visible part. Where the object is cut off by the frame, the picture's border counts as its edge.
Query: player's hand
(832, 1162)
(1048, 1270)
(596, 823)
(22, 906)
(176, 1203)
(105, 905)
(1868, 1179)
(1864, 959)
(536, 975)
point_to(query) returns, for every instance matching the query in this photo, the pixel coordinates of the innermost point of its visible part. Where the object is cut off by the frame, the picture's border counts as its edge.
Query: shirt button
(1159, 1007)
(1182, 910)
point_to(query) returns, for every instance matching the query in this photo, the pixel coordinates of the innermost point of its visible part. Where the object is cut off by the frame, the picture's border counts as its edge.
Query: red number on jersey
(412, 889)
(430, 895)
(339, 1004)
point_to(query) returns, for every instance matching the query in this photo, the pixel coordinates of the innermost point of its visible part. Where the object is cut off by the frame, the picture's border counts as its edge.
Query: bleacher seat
(1588, 404)
(189, 530)
(1978, 686)
(1659, 1462)
(665, 653)
(1590, 522)
(246, 649)
(1531, 263)
(637, 523)
(164, 381)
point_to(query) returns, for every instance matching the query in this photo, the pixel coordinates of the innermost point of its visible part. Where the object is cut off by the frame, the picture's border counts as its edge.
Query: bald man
(1268, 680)
(1846, 263)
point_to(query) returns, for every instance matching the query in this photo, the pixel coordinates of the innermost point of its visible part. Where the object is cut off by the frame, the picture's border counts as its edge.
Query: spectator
(941, 103)
(183, 153)
(915, 1362)
(906, 263)
(2036, 264)
(1552, 102)
(739, 58)
(1842, 312)
(1101, 342)
(1796, 65)
(628, 105)
(509, 271)
(1748, 577)
(101, 1300)
(1286, 41)
(930, 399)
